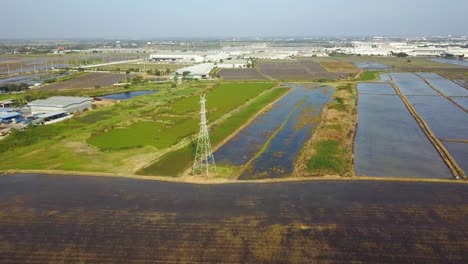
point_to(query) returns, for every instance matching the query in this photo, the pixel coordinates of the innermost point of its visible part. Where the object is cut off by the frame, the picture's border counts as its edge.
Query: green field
(177, 161)
(221, 100)
(129, 135)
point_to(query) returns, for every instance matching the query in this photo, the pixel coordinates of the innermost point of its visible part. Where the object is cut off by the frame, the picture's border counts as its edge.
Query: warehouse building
(8, 117)
(180, 58)
(69, 104)
(198, 71)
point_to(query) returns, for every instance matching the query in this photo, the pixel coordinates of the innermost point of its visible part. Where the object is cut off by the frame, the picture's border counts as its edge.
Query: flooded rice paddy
(414, 87)
(446, 120)
(371, 66)
(72, 219)
(403, 75)
(451, 61)
(459, 151)
(127, 95)
(376, 88)
(463, 101)
(429, 75)
(389, 142)
(270, 143)
(384, 77)
(448, 88)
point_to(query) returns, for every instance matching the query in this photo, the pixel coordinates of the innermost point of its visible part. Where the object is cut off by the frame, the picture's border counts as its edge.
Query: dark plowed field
(89, 80)
(70, 219)
(296, 70)
(241, 74)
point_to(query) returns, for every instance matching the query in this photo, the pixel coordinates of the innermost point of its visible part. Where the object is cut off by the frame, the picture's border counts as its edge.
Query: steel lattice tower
(204, 160)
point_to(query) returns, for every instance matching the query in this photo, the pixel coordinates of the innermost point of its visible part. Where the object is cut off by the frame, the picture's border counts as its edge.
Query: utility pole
(204, 160)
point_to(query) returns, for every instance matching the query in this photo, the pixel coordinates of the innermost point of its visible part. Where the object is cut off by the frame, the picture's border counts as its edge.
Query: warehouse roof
(6, 109)
(199, 69)
(9, 115)
(60, 101)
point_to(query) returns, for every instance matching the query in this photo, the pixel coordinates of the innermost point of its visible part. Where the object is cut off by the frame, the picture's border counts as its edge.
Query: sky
(153, 19)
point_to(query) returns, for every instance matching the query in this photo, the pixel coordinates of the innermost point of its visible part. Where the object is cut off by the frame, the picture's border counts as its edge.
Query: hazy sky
(229, 18)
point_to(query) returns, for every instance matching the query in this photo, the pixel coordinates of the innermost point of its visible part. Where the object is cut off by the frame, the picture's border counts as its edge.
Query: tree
(168, 71)
(157, 72)
(173, 85)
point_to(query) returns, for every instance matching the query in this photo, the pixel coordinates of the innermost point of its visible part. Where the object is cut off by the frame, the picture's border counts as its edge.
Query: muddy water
(389, 142)
(296, 114)
(278, 159)
(72, 219)
(448, 88)
(446, 120)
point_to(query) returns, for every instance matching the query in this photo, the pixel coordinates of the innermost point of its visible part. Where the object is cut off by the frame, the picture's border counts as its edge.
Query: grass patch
(137, 135)
(175, 162)
(329, 158)
(368, 76)
(338, 104)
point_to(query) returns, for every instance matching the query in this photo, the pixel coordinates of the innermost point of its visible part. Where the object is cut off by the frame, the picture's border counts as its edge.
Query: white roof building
(67, 104)
(199, 70)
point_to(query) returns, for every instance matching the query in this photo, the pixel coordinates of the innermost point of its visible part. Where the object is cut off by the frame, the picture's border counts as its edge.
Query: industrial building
(7, 117)
(69, 104)
(180, 58)
(198, 71)
(52, 117)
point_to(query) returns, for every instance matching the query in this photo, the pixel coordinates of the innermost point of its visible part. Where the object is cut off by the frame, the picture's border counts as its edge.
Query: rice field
(73, 219)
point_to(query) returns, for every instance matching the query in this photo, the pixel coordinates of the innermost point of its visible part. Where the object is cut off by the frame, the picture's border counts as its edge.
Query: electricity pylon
(204, 160)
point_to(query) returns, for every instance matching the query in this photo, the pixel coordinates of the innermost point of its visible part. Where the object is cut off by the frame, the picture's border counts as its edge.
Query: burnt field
(297, 70)
(72, 219)
(89, 80)
(241, 74)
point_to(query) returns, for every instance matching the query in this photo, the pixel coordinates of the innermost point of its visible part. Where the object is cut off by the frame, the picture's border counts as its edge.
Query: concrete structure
(197, 71)
(67, 104)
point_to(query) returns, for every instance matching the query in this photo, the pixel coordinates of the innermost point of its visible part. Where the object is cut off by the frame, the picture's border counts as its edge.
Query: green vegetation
(177, 161)
(221, 100)
(65, 78)
(329, 150)
(338, 104)
(368, 76)
(63, 145)
(329, 158)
